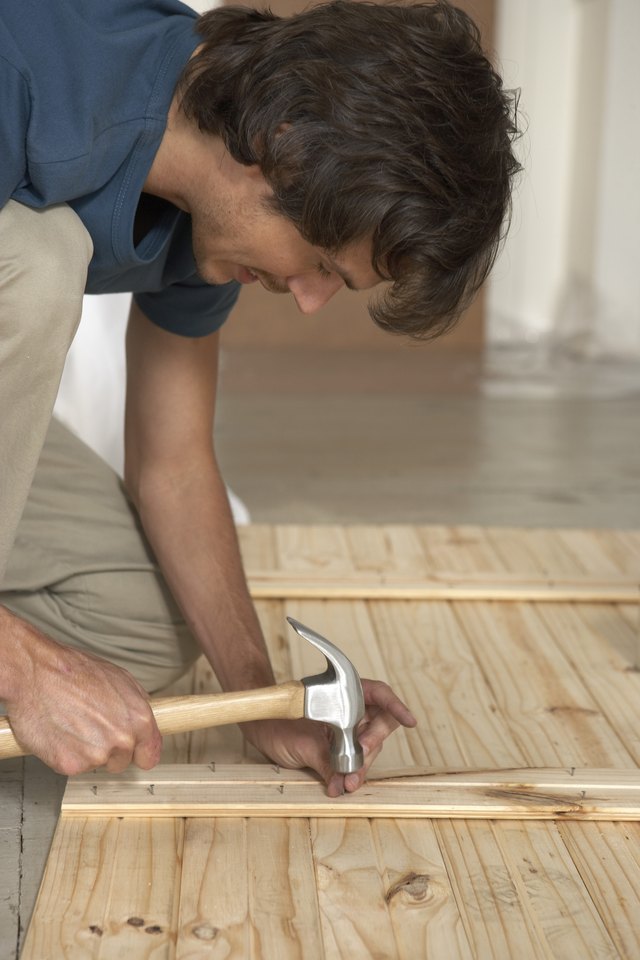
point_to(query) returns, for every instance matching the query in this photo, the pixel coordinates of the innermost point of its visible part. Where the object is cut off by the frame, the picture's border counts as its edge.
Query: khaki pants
(77, 564)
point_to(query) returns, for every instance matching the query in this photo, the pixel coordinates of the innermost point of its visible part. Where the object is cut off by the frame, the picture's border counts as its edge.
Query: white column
(569, 273)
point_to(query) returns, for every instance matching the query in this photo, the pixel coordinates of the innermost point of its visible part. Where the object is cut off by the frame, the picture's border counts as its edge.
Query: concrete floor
(411, 436)
(431, 438)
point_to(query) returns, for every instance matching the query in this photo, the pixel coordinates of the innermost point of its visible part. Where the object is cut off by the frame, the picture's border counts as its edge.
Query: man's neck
(176, 162)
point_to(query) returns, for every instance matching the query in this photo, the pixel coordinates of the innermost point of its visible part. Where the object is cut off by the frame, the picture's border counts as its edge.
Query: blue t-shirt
(85, 88)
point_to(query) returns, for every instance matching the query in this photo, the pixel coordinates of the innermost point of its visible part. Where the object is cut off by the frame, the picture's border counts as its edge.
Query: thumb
(334, 782)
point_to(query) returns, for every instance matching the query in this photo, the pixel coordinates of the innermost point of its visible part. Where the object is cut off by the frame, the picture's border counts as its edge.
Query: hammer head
(335, 697)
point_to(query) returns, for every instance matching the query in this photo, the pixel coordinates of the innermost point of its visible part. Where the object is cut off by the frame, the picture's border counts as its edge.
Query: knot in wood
(414, 885)
(205, 931)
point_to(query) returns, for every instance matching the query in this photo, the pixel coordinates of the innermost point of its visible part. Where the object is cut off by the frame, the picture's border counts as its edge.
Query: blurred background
(527, 413)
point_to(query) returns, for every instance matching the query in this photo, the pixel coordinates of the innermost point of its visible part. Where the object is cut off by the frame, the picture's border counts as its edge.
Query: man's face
(237, 237)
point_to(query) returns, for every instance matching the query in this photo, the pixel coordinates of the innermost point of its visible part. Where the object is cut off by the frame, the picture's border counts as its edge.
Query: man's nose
(312, 292)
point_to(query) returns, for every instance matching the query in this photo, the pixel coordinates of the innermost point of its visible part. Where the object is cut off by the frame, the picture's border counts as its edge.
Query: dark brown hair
(370, 120)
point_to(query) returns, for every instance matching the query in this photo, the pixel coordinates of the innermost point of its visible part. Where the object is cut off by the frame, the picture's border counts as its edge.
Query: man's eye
(322, 270)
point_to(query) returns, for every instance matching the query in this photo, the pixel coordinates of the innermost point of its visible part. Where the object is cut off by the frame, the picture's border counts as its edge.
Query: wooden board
(216, 790)
(541, 687)
(447, 586)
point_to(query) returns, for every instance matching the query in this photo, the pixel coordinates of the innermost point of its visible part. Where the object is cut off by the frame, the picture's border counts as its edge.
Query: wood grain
(505, 694)
(424, 914)
(445, 586)
(486, 794)
(356, 921)
(546, 876)
(213, 914)
(606, 856)
(283, 904)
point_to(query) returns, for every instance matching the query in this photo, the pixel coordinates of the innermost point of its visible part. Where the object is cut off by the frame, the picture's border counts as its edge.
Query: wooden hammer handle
(179, 714)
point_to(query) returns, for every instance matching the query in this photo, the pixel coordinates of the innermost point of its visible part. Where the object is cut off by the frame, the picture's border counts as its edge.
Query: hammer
(334, 697)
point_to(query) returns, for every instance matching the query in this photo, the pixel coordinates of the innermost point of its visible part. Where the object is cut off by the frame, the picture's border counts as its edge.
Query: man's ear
(252, 171)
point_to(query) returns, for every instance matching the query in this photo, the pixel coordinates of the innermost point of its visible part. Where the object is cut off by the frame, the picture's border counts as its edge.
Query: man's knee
(125, 616)
(44, 257)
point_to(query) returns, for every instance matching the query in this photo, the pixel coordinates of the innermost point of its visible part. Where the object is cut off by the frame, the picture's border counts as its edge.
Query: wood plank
(550, 712)
(606, 856)
(313, 550)
(632, 616)
(536, 682)
(444, 586)
(389, 549)
(597, 553)
(141, 910)
(544, 873)
(214, 893)
(424, 914)
(71, 908)
(170, 775)
(355, 917)
(465, 562)
(257, 546)
(109, 890)
(497, 917)
(551, 554)
(604, 652)
(283, 905)
(591, 552)
(510, 794)
(463, 550)
(455, 887)
(624, 545)
(431, 664)
(420, 663)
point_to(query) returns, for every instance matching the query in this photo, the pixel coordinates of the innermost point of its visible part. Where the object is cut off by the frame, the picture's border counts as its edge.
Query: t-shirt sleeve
(190, 308)
(14, 122)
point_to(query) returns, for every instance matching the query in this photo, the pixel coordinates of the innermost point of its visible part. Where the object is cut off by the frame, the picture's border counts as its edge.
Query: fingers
(379, 694)
(322, 766)
(143, 753)
(384, 713)
(304, 743)
(118, 761)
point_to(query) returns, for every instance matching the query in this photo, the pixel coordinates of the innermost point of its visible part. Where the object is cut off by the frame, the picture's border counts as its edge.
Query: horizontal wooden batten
(265, 791)
(502, 587)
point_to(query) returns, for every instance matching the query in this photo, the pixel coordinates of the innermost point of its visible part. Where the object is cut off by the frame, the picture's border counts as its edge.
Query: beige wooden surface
(262, 790)
(494, 685)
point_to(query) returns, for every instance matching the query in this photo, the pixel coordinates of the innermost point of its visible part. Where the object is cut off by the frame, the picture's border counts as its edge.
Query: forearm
(187, 519)
(17, 640)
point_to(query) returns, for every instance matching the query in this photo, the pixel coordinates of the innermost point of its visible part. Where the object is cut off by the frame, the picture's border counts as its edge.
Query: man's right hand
(73, 710)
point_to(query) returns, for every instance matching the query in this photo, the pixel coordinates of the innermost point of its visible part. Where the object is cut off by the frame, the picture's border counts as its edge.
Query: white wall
(569, 270)
(616, 281)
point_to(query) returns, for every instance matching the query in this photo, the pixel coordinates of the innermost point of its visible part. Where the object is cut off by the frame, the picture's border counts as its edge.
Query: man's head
(376, 125)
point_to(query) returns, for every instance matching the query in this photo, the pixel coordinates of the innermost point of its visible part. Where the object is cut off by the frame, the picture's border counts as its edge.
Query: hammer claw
(335, 697)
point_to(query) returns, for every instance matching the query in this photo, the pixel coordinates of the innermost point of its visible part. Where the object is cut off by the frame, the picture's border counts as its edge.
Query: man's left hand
(305, 743)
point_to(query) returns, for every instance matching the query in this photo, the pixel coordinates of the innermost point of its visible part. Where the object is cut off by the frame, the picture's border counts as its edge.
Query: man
(148, 151)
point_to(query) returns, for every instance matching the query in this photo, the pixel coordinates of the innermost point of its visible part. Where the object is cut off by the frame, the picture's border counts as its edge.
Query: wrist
(20, 645)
